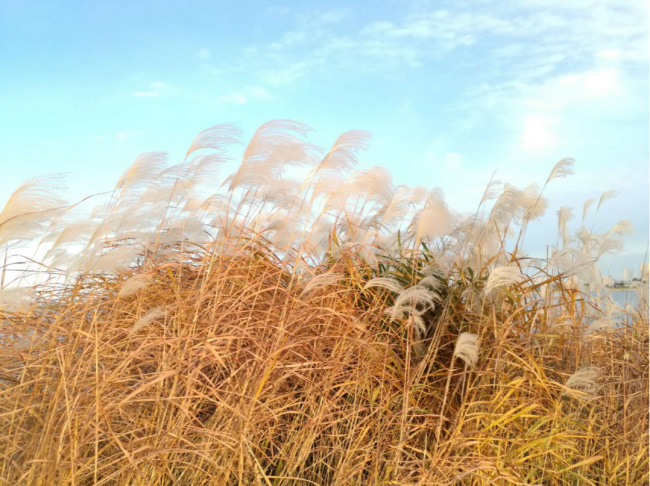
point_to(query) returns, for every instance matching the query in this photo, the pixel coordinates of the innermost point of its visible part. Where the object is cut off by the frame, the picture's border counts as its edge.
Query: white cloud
(145, 94)
(204, 53)
(121, 136)
(277, 10)
(523, 41)
(260, 93)
(590, 84)
(537, 133)
(250, 93)
(163, 88)
(236, 98)
(280, 77)
(156, 89)
(559, 92)
(609, 54)
(159, 85)
(453, 162)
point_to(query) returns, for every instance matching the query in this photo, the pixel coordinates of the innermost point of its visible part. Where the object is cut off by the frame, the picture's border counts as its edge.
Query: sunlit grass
(330, 330)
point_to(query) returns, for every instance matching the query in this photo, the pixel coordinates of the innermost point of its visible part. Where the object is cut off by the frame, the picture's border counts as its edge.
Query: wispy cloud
(145, 94)
(236, 98)
(537, 133)
(156, 89)
(204, 53)
(118, 136)
(524, 40)
(250, 93)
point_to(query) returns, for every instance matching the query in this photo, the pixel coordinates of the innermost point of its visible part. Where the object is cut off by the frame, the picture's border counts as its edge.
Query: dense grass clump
(329, 330)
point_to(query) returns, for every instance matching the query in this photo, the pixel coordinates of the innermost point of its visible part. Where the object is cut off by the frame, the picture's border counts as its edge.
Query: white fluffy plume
(467, 348)
(321, 281)
(503, 276)
(154, 314)
(585, 381)
(134, 284)
(562, 169)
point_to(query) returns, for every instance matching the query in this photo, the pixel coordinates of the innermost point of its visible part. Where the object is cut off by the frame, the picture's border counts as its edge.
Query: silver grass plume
(343, 154)
(434, 219)
(395, 211)
(532, 204)
(406, 305)
(142, 172)
(321, 281)
(406, 302)
(74, 234)
(599, 324)
(622, 228)
(15, 298)
(30, 208)
(217, 137)
(467, 348)
(376, 182)
(584, 236)
(607, 244)
(586, 207)
(110, 261)
(36, 194)
(431, 281)
(505, 206)
(154, 314)
(585, 381)
(571, 261)
(268, 138)
(604, 197)
(134, 284)
(385, 283)
(562, 169)
(503, 276)
(409, 298)
(564, 215)
(491, 191)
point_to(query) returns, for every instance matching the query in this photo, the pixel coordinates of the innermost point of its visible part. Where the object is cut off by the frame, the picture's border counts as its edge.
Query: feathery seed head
(467, 348)
(154, 314)
(503, 276)
(134, 284)
(605, 196)
(562, 169)
(585, 381)
(386, 283)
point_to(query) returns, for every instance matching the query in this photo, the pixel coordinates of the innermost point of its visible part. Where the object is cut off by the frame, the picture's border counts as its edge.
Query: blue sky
(451, 91)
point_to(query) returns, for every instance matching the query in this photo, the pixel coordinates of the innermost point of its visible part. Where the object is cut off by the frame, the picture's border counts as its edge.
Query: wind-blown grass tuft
(265, 328)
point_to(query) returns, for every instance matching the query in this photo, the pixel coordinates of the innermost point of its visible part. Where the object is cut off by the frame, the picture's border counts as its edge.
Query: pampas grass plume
(604, 197)
(321, 281)
(503, 276)
(585, 381)
(562, 169)
(467, 348)
(134, 284)
(385, 283)
(152, 315)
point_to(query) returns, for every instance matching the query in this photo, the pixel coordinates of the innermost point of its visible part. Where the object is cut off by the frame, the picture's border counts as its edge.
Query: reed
(331, 330)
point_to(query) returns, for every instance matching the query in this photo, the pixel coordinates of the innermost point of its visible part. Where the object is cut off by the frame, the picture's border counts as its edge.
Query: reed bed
(323, 329)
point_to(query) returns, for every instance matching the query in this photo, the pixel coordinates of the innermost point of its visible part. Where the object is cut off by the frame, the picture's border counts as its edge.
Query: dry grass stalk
(254, 375)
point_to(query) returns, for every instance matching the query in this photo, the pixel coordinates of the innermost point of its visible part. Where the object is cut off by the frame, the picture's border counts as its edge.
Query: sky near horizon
(451, 91)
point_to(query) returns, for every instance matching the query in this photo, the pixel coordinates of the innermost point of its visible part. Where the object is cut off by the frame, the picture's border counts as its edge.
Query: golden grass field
(322, 329)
